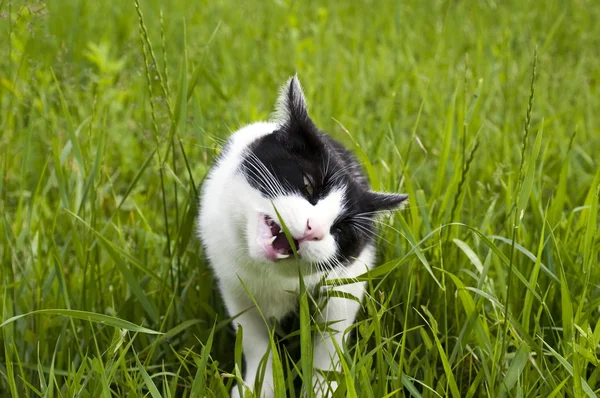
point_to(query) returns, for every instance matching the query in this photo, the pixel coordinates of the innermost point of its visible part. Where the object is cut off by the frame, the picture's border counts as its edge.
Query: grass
(110, 116)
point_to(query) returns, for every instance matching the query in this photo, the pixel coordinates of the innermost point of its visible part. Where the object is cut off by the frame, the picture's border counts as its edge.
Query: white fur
(230, 212)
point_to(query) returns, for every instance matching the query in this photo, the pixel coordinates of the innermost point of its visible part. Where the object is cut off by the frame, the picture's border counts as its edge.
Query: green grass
(489, 282)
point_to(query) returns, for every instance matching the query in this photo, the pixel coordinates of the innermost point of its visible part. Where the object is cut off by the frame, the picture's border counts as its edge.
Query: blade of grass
(147, 379)
(70, 126)
(87, 316)
(127, 274)
(515, 370)
(451, 381)
(306, 353)
(278, 377)
(199, 383)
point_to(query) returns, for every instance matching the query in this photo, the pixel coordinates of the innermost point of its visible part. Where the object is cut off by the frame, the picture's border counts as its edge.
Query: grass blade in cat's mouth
(276, 245)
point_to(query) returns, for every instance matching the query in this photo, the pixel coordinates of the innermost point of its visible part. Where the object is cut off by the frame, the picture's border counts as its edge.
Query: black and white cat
(324, 199)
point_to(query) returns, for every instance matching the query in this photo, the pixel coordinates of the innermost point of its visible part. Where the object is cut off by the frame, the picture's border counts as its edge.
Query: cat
(288, 170)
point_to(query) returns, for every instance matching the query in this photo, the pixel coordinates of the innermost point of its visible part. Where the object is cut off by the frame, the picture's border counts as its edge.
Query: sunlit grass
(111, 114)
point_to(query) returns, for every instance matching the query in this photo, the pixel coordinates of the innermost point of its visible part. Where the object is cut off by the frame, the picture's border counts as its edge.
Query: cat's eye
(308, 185)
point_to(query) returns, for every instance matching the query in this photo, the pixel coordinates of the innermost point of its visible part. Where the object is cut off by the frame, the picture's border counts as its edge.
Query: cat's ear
(379, 201)
(291, 112)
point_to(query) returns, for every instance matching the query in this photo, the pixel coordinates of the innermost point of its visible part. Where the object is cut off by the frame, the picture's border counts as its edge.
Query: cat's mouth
(276, 244)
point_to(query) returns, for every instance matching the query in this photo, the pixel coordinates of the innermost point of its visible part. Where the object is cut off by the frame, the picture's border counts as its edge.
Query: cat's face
(316, 186)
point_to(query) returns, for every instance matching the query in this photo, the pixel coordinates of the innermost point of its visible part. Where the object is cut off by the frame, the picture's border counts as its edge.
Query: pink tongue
(282, 245)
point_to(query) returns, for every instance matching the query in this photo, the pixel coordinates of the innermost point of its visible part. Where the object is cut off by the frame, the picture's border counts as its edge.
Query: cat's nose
(314, 230)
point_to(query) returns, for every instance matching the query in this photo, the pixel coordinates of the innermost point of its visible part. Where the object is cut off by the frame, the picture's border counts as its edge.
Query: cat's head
(317, 187)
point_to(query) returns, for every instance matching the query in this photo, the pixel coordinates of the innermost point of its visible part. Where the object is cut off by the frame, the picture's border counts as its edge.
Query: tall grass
(111, 114)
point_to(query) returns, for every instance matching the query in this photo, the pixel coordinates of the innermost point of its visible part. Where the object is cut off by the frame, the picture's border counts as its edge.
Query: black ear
(291, 105)
(379, 201)
(291, 112)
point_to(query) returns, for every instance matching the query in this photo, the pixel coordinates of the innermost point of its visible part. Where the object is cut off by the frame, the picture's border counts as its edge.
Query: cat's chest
(276, 296)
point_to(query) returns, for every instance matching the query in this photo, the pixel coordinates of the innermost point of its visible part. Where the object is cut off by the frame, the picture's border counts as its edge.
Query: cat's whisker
(386, 224)
(221, 142)
(338, 174)
(353, 278)
(273, 185)
(368, 231)
(390, 226)
(325, 166)
(362, 229)
(262, 171)
(257, 176)
(208, 147)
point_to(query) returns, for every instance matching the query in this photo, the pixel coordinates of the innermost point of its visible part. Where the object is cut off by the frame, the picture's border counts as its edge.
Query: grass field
(109, 118)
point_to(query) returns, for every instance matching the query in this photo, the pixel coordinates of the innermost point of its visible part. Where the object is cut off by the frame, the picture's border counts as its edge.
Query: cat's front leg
(255, 343)
(342, 312)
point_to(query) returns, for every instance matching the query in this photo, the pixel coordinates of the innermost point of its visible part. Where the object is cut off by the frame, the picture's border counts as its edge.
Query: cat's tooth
(282, 256)
(270, 241)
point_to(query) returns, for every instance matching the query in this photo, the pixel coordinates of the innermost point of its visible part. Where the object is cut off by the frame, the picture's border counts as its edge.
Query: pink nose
(314, 230)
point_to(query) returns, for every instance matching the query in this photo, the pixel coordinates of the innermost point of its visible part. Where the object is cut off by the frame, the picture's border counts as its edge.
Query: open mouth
(276, 243)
